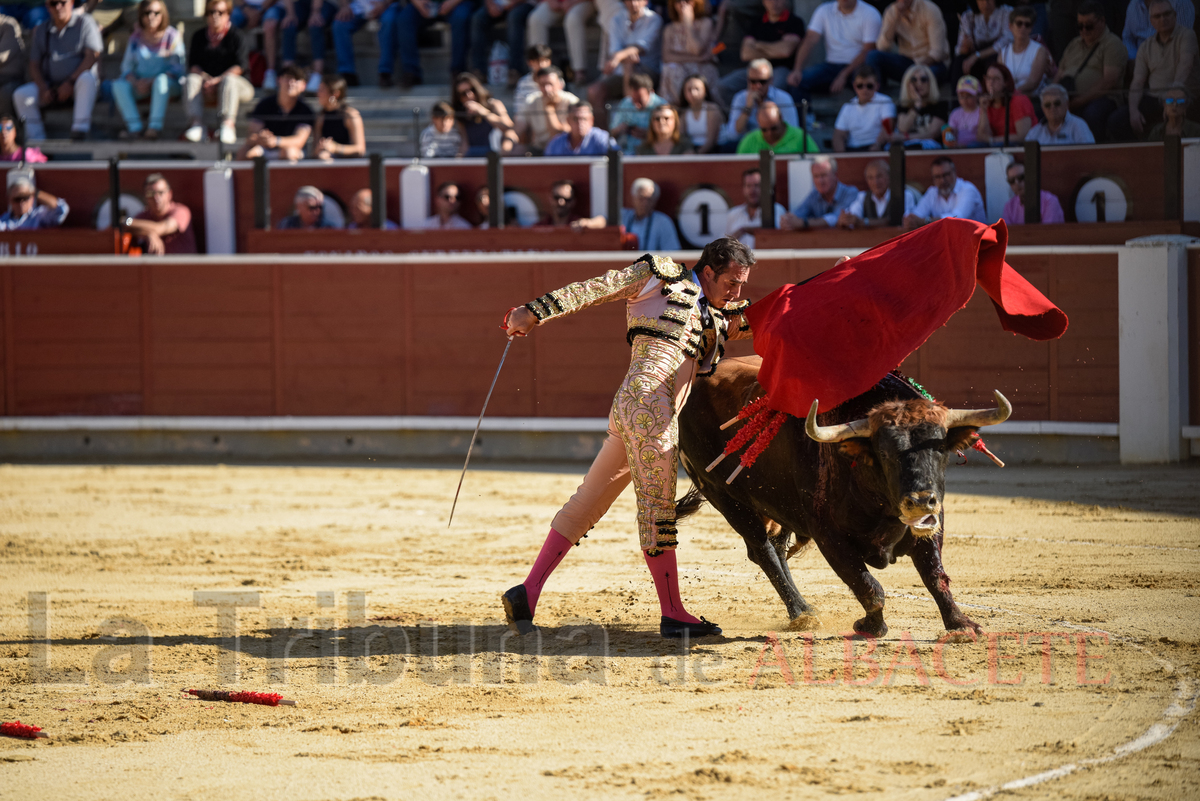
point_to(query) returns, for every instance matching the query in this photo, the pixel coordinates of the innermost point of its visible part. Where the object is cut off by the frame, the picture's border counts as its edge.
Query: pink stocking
(553, 550)
(666, 582)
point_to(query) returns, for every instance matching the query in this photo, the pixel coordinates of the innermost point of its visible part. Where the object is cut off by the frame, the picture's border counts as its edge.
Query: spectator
(1093, 68)
(867, 121)
(445, 208)
(514, 15)
(918, 32)
(280, 125)
(1027, 60)
(1175, 122)
(562, 212)
(1014, 209)
(62, 69)
(687, 46)
(634, 43)
(351, 15)
(655, 231)
(743, 113)
(981, 36)
(963, 127)
(28, 15)
(1001, 103)
(870, 208)
(10, 150)
(544, 115)
(572, 15)
(775, 36)
(152, 66)
(164, 226)
(419, 15)
(483, 118)
(582, 139)
(386, 36)
(631, 118)
(663, 138)
(849, 29)
(360, 213)
(12, 62)
(217, 66)
(289, 15)
(248, 14)
(483, 207)
(339, 129)
(922, 115)
(308, 206)
(1139, 26)
(701, 119)
(1165, 61)
(741, 220)
(825, 203)
(1061, 126)
(24, 214)
(950, 196)
(773, 133)
(443, 138)
(537, 57)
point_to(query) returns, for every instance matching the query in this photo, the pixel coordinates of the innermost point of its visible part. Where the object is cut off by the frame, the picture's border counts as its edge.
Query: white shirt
(1021, 64)
(858, 207)
(865, 122)
(737, 218)
(434, 221)
(845, 34)
(964, 202)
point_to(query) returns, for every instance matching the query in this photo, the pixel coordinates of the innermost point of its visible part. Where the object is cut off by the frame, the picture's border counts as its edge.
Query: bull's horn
(981, 417)
(859, 428)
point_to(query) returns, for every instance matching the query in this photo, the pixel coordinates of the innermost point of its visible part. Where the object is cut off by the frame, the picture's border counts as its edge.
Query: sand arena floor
(1085, 579)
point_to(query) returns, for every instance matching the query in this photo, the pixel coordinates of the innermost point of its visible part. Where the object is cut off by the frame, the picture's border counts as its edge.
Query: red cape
(837, 334)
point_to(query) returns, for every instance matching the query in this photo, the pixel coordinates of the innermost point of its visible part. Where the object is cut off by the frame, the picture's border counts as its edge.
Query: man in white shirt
(866, 122)
(870, 208)
(740, 220)
(849, 29)
(743, 111)
(950, 196)
(543, 115)
(445, 206)
(1061, 127)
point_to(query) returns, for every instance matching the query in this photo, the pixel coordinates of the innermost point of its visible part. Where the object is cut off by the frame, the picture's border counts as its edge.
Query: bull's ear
(857, 449)
(959, 438)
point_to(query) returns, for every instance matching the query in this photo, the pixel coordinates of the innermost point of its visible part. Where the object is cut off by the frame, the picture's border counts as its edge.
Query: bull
(865, 482)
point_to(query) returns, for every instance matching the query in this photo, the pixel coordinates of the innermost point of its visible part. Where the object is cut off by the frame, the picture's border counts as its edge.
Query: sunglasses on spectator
(870, 85)
(919, 79)
(449, 197)
(561, 198)
(774, 129)
(8, 126)
(1051, 103)
(217, 12)
(313, 206)
(57, 3)
(758, 80)
(1016, 178)
(1086, 27)
(22, 198)
(1022, 23)
(152, 12)
(1167, 101)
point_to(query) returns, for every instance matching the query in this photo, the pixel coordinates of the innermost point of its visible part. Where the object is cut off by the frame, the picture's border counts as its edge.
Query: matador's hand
(519, 322)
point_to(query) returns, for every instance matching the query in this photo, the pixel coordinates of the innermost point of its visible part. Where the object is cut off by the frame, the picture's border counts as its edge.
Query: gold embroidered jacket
(675, 313)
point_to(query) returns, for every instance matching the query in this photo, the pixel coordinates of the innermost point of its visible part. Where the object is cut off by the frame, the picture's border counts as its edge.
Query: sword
(478, 423)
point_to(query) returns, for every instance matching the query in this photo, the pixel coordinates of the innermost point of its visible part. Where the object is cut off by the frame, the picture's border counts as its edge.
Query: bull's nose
(926, 500)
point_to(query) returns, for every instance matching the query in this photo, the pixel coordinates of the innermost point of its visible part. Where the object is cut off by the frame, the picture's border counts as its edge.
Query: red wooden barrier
(504, 240)
(375, 336)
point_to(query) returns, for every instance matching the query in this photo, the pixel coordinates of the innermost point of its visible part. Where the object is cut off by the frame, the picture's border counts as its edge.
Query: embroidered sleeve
(739, 326)
(613, 285)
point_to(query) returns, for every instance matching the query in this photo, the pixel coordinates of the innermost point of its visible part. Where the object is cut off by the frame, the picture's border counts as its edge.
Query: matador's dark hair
(719, 253)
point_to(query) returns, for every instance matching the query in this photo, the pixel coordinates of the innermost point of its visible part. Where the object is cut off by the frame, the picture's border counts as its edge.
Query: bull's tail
(689, 504)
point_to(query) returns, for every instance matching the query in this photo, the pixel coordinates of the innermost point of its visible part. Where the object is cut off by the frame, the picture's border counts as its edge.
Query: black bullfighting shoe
(516, 610)
(673, 629)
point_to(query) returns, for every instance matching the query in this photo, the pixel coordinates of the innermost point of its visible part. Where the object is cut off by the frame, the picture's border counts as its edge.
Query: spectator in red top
(999, 92)
(165, 226)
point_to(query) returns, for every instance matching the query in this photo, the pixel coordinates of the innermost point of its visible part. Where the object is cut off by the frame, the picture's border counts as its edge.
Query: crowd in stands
(1011, 74)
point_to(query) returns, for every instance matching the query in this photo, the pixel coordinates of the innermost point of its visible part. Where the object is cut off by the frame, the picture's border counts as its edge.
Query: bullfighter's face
(725, 288)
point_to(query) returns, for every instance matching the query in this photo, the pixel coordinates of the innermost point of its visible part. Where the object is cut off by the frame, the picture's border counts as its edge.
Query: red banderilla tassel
(773, 422)
(748, 432)
(749, 410)
(19, 729)
(979, 446)
(266, 699)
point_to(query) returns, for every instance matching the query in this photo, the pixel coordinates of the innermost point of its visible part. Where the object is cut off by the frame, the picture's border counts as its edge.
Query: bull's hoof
(960, 635)
(516, 610)
(804, 623)
(870, 628)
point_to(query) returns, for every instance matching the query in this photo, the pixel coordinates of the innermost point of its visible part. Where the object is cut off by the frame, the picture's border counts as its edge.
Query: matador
(678, 323)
